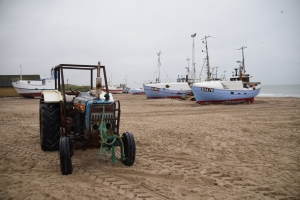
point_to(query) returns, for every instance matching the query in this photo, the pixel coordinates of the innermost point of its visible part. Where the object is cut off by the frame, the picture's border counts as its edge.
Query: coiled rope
(104, 138)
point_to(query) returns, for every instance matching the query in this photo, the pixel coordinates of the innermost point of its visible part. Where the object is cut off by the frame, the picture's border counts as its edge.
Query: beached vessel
(113, 89)
(33, 88)
(167, 90)
(125, 89)
(239, 89)
(135, 91)
(225, 91)
(182, 86)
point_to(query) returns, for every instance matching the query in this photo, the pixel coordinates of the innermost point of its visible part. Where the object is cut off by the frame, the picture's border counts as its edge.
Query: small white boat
(124, 86)
(113, 89)
(125, 90)
(137, 91)
(33, 88)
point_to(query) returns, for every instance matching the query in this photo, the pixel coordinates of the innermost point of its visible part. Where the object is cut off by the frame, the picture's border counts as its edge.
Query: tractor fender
(51, 96)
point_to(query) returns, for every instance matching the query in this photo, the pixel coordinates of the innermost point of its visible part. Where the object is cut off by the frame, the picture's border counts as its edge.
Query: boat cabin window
(231, 92)
(180, 80)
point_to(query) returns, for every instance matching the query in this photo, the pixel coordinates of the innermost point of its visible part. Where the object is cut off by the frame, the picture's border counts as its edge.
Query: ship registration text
(207, 89)
(155, 89)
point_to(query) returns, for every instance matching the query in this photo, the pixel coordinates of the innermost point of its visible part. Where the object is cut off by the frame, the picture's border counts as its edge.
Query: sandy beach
(184, 151)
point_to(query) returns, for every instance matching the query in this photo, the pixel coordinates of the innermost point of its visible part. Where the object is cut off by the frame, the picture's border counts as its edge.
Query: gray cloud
(127, 35)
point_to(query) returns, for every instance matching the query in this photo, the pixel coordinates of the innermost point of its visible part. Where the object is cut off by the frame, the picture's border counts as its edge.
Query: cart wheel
(65, 156)
(129, 148)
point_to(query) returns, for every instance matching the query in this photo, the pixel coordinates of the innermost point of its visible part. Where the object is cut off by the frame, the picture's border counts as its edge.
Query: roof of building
(5, 80)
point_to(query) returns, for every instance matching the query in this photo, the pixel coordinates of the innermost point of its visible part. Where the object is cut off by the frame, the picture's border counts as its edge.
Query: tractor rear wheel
(49, 126)
(129, 148)
(65, 156)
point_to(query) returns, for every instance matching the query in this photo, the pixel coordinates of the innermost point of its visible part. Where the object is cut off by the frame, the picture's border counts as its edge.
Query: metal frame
(59, 76)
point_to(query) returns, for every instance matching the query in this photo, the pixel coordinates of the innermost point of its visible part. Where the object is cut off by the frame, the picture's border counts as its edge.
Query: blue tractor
(71, 120)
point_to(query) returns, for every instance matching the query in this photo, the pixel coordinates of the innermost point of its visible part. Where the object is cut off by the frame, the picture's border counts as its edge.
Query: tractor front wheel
(129, 148)
(65, 156)
(49, 126)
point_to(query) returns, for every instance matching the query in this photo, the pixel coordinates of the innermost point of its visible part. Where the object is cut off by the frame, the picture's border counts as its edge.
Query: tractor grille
(98, 116)
(108, 118)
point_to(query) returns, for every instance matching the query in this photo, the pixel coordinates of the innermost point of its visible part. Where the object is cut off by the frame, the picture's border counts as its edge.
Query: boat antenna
(52, 72)
(158, 65)
(224, 78)
(193, 58)
(20, 72)
(243, 62)
(188, 67)
(126, 81)
(204, 40)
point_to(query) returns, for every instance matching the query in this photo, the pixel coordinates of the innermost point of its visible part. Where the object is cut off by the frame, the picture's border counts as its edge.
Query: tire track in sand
(90, 173)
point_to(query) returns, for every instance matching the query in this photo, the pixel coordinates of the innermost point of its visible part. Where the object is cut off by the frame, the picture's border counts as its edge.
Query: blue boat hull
(222, 95)
(155, 92)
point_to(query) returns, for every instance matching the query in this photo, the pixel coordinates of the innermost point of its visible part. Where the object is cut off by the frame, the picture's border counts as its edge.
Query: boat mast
(193, 75)
(204, 40)
(243, 62)
(188, 67)
(158, 65)
(20, 72)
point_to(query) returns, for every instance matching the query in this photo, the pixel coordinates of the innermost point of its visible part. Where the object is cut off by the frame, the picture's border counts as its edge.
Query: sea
(279, 91)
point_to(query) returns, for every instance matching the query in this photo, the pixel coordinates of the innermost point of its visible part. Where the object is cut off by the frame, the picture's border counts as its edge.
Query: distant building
(6, 88)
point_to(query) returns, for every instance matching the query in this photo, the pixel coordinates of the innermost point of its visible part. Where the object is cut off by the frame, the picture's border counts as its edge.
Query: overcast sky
(127, 35)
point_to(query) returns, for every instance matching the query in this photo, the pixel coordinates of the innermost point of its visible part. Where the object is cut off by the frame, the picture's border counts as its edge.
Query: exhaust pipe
(98, 82)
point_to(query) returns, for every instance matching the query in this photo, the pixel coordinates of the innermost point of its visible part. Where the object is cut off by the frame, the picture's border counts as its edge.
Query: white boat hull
(33, 88)
(113, 89)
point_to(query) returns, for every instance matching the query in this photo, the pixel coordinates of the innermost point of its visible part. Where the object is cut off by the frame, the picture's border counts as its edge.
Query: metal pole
(20, 72)
(188, 68)
(242, 48)
(193, 76)
(208, 67)
(158, 65)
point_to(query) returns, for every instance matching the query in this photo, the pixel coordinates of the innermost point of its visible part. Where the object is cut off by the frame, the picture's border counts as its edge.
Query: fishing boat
(136, 91)
(33, 88)
(178, 89)
(167, 90)
(113, 89)
(238, 90)
(126, 89)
